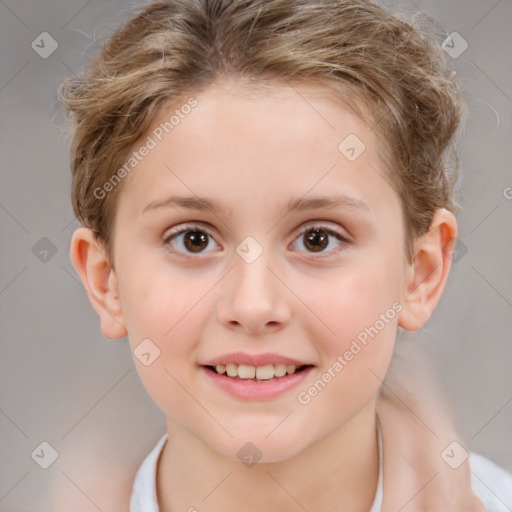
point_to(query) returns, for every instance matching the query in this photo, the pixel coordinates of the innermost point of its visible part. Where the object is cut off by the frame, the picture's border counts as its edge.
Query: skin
(253, 154)
(416, 429)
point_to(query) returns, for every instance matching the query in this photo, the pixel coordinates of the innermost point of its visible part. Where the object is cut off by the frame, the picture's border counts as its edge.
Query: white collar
(144, 495)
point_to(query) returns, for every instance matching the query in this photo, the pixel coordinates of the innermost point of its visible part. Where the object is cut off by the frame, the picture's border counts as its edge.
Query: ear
(90, 261)
(428, 272)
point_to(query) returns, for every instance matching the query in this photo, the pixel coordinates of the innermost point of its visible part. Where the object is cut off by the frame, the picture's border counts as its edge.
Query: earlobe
(90, 261)
(428, 273)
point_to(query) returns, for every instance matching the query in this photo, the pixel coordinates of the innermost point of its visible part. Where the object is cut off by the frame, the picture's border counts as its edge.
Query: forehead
(251, 141)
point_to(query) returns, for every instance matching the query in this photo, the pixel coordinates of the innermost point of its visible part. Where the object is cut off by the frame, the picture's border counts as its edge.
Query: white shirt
(491, 483)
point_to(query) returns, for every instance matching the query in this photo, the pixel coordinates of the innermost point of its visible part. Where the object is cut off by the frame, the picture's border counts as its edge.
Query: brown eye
(316, 240)
(321, 240)
(189, 240)
(195, 241)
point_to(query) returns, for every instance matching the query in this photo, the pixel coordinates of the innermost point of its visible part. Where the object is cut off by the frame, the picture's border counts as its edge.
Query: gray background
(63, 383)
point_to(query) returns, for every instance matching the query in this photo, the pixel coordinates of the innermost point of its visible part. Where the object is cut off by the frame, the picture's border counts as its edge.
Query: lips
(254, 369)
(263, 386)
(265, 372)
(242, 358)
(240, 365)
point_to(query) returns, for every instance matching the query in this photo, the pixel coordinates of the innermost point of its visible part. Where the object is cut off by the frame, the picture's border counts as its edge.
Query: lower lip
(257, 390)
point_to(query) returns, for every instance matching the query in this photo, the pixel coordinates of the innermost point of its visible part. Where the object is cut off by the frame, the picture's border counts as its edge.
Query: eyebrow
(300, 204)
(313, 203)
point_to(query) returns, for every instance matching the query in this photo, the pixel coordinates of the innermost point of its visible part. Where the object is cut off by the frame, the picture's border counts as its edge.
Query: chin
(259, 449)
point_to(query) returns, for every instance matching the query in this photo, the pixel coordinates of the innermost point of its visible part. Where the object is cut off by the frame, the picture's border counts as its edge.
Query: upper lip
(239, 358)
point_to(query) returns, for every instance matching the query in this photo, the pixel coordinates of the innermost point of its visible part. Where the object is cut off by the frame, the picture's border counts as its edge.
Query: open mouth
(256, 373)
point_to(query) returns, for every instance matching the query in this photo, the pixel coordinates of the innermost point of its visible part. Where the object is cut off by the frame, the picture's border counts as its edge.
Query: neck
(338, 472)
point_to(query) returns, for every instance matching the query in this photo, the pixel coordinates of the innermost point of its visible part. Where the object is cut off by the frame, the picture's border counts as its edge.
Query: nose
(254, 300)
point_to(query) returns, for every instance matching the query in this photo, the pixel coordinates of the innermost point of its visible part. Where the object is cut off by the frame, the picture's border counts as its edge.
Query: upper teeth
(246, 371)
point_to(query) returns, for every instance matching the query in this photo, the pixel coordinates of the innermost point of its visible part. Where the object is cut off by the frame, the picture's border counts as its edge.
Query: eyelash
(193, 227)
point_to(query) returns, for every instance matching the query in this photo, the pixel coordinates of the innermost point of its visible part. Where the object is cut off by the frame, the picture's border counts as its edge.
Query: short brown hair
(356, 49)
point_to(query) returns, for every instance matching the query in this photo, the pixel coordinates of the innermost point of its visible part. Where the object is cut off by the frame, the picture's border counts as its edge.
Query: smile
(255, 383)
(258, 373)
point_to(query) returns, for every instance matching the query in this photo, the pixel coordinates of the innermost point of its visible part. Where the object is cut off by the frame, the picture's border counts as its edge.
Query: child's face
(305, 298)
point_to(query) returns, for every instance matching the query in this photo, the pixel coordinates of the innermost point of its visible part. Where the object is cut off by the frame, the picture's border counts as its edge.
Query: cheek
(360, 307)
(168, 313)
(158, 300)
(163, 312)
(355, 359)
(348, 303)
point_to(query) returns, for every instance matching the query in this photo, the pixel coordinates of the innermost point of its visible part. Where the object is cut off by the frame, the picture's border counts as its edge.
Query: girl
(266, 197)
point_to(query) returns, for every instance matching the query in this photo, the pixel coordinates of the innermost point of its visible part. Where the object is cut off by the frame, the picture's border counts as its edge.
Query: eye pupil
(316, 240)
(194, 240)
